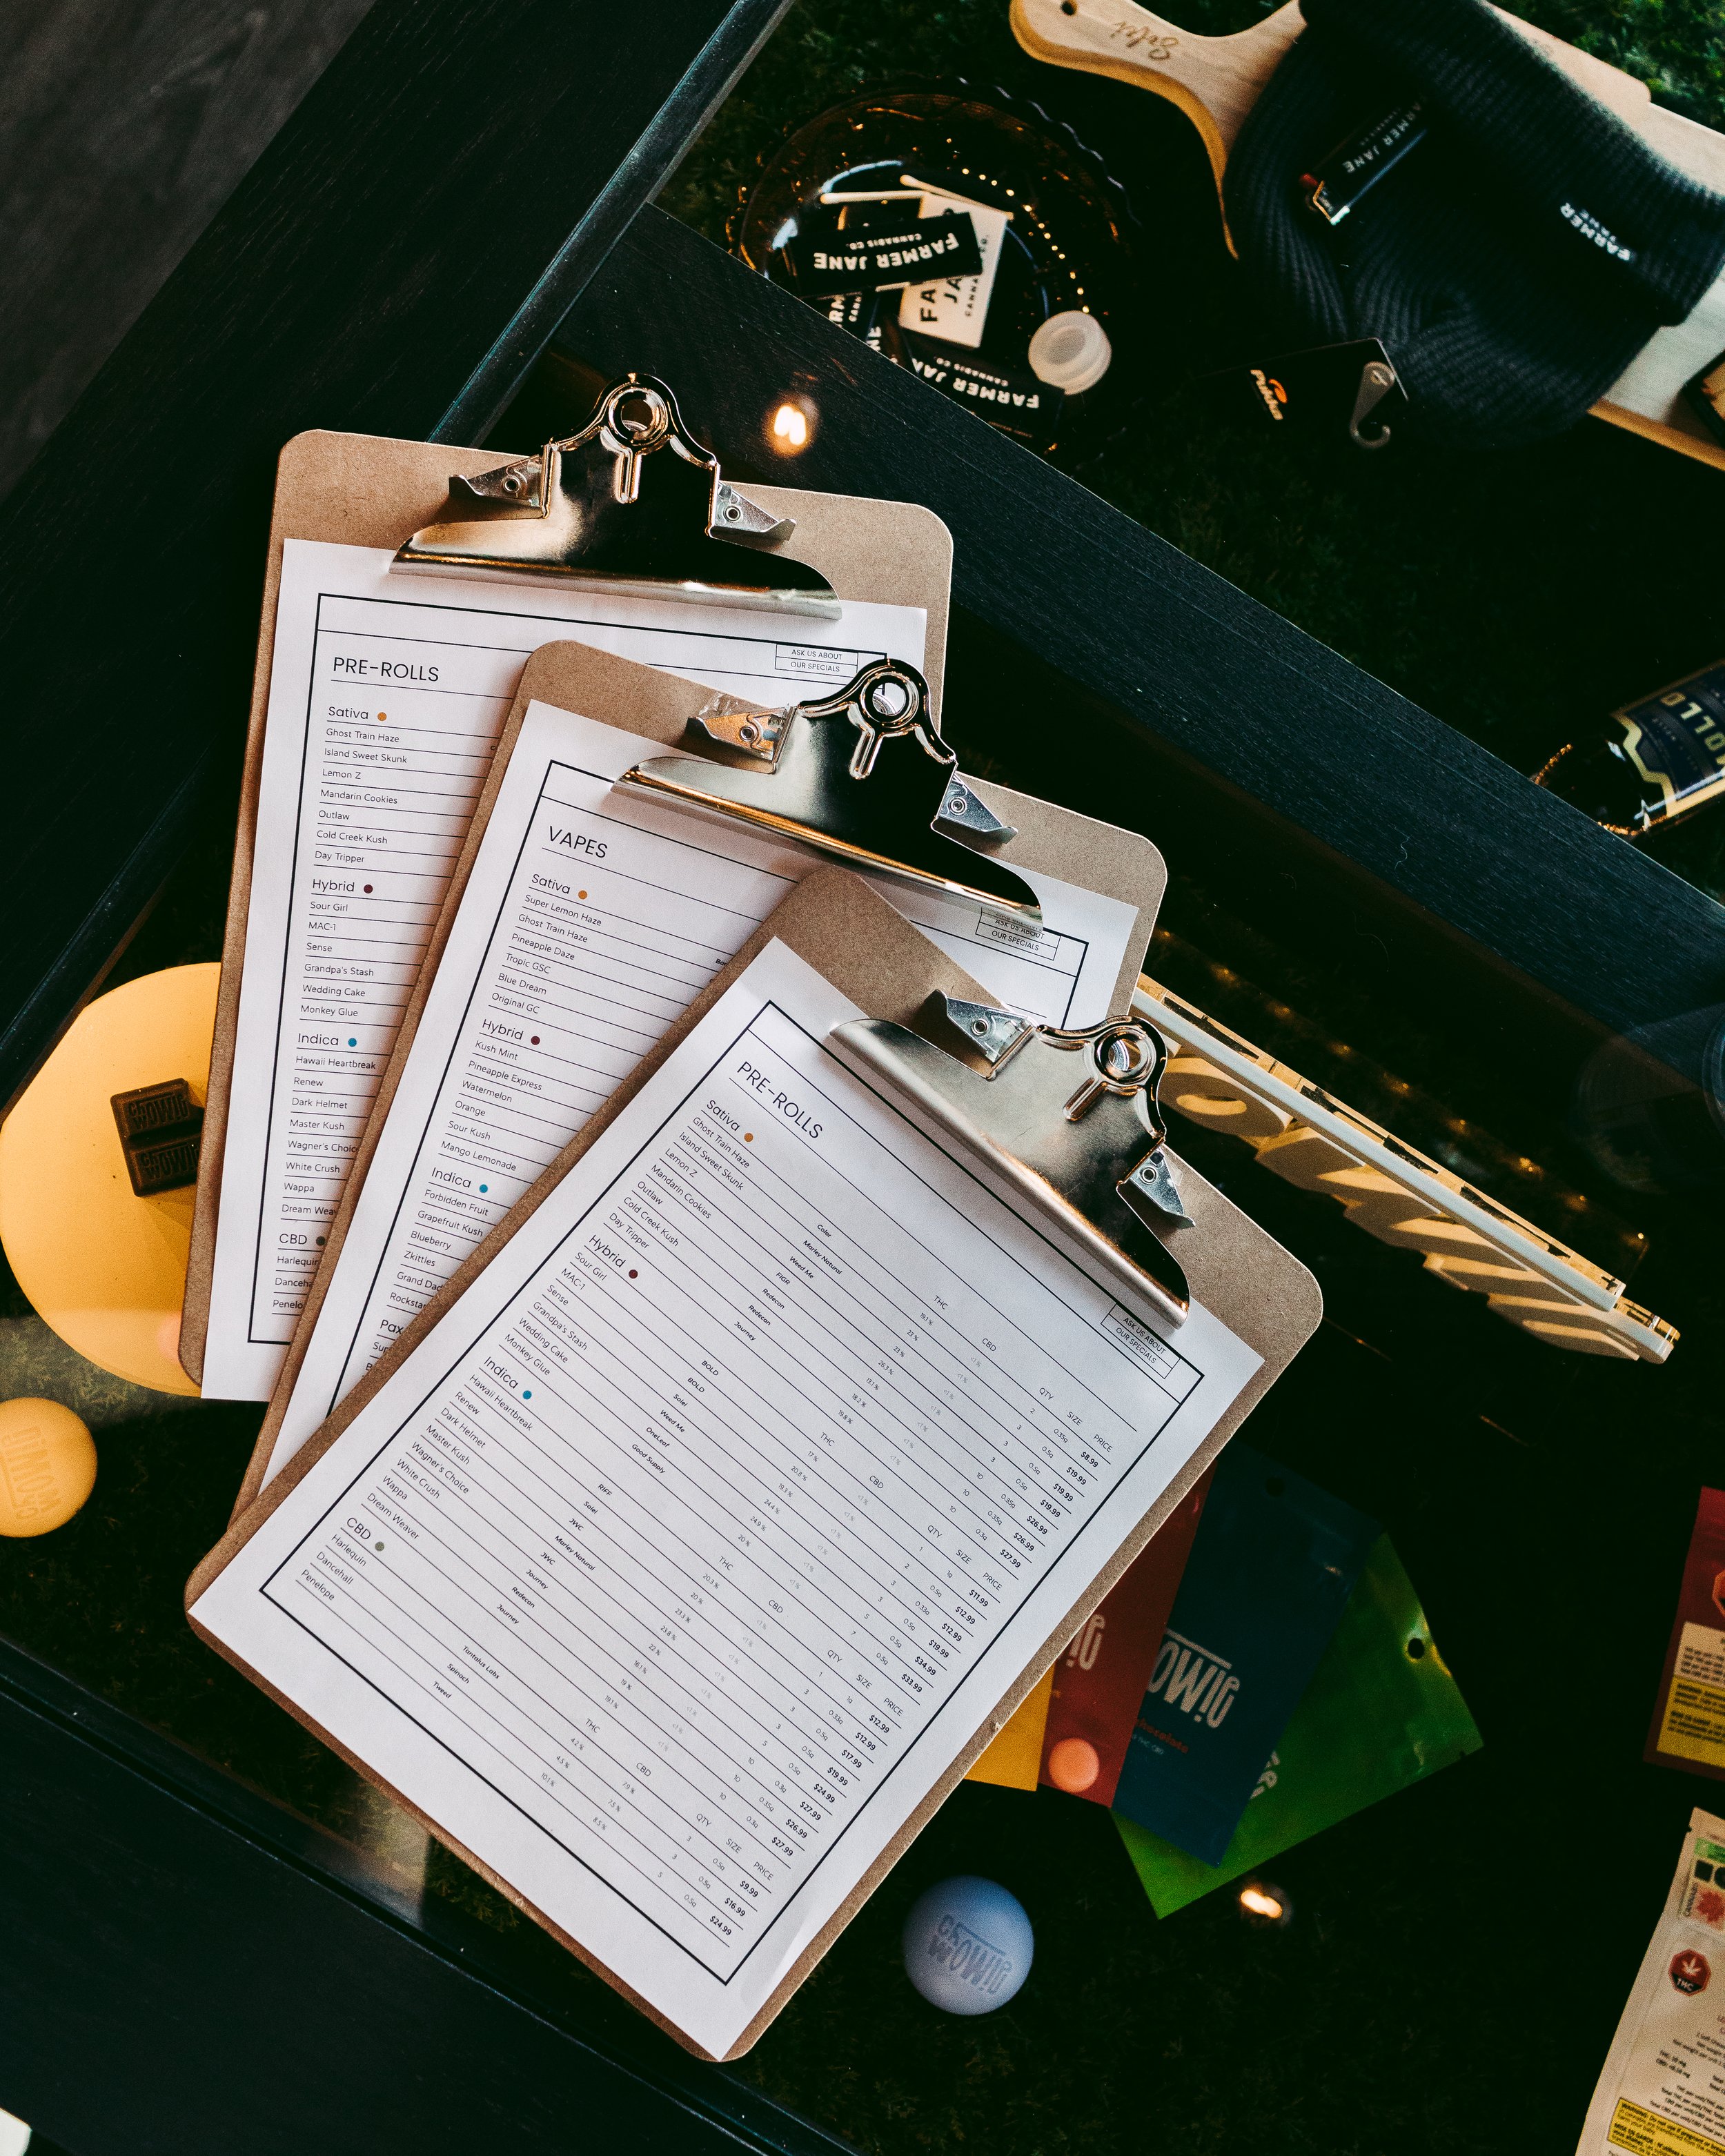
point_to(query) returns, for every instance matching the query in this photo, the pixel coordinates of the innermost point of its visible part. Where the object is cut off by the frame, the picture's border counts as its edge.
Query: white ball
(967, 1946)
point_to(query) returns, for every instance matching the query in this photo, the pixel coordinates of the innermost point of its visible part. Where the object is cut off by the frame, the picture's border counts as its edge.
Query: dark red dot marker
(632, 1273)
(368, 886)
(534, 1043)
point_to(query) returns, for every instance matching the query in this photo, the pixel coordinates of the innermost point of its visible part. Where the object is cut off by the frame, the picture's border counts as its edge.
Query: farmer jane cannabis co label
(876, 248)
(1013, 398)
(860, 314)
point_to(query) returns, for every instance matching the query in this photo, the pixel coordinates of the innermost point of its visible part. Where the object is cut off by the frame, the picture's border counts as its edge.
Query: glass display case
(1373, 895)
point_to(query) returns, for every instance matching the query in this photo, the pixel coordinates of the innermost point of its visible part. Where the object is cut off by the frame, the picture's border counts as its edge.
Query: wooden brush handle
(1215, 81)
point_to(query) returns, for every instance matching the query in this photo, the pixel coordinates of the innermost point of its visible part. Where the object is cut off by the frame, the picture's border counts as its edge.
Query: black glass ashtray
(1057, 236)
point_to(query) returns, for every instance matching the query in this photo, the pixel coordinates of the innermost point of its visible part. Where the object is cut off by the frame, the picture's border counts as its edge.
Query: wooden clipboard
(839, 925)
(620, 692)
(366, 490)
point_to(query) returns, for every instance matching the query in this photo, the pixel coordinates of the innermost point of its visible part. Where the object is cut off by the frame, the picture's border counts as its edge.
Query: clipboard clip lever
(864, 774)
(1091, 1156)
(632, 501)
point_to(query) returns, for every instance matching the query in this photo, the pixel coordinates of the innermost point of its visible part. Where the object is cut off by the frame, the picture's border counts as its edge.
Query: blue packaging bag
(1271, 1572)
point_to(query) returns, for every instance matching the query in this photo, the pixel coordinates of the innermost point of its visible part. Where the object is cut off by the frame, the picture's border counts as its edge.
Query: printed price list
(722, 1507)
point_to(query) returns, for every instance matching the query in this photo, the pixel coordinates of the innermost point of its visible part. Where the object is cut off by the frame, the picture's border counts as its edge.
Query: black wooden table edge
(710, 76)
(1210, 674)
(221, 1944)
(394, 259)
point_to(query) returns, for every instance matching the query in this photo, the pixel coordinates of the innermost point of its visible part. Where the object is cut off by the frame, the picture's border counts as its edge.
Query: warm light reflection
(1257, 1903)
(790, 428)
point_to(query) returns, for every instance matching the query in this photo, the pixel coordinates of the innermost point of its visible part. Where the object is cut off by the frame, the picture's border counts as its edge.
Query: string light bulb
(790, 427)
(1262, 1903)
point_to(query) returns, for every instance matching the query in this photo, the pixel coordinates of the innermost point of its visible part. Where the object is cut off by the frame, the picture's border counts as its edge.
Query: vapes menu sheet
(388, 693)
(591, 920)
(674, 1566)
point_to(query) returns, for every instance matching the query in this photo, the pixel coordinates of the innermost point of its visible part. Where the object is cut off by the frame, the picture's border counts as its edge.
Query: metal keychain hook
(1377, 379)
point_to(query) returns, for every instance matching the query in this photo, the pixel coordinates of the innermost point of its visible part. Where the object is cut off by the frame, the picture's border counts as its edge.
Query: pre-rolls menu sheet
(388, 693)
(675, 1564)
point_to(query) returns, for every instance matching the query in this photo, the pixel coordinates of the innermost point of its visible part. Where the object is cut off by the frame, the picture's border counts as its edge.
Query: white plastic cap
(1070, 351)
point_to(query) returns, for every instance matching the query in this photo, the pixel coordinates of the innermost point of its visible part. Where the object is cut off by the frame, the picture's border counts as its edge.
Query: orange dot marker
(1073, 1766)
(748, 1138)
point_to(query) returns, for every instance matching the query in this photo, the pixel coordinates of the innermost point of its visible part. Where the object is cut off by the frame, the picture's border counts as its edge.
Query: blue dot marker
(483, 1186)
(528, 1394)
(353, 1043)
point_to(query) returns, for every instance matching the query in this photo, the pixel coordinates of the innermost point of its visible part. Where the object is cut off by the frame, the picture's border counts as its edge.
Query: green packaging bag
(1381, 1712)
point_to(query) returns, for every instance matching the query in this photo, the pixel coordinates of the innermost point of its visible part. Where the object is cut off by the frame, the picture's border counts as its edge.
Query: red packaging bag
(1100, 1680)
(1688, 1728)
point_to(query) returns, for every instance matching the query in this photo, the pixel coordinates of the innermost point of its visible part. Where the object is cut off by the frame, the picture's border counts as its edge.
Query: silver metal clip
(586, 507)
(1003, 1087)
(864, 774)
(754, 733)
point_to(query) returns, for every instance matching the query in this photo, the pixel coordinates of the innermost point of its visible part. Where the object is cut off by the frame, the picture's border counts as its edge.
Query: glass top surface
(1521, 597)
(1434, 1991)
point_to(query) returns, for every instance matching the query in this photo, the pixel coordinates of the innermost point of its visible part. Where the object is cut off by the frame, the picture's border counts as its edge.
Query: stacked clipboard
(756, 1316)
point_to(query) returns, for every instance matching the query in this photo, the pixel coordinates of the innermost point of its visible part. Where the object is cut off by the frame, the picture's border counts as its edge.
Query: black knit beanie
(1512, 263)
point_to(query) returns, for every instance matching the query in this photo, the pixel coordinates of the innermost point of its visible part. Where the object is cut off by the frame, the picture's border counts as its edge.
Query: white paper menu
(591, 920)
(675, 1564)
(388, 693)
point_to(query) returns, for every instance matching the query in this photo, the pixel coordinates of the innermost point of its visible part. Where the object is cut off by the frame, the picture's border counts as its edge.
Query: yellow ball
(48, 1466)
